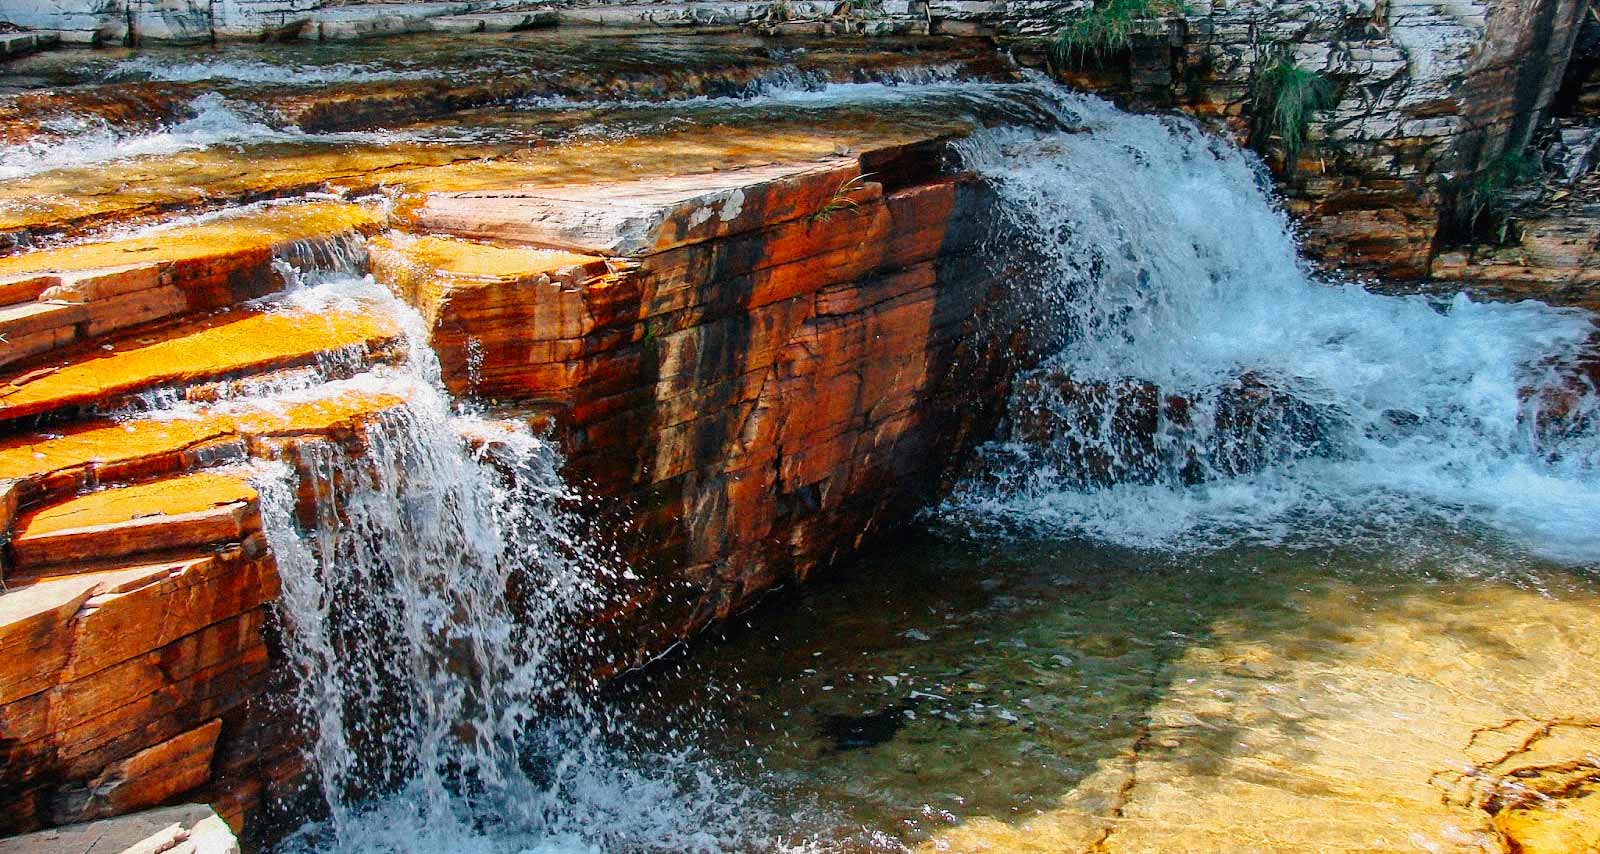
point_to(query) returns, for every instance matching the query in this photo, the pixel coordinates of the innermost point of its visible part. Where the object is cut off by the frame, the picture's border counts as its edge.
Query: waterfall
(439, 595)
(1214, 389)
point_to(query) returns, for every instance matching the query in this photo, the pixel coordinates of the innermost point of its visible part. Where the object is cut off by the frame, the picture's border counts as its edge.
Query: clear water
(1238, 616)
(951, 694)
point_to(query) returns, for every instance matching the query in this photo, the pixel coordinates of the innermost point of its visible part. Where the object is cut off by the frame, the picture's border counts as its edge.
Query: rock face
(136, 581)
(1427, 97)
(755, 370)
(758, 369)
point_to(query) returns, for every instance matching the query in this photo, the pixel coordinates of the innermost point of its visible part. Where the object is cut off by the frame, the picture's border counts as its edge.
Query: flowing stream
(1239, 516)
(1277, 407)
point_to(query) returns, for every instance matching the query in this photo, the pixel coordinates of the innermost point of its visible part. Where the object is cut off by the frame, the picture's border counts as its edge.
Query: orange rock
(230, 343)
(1566, 825)
(61, 628)
(71, 200)
(647, 216)
(493, 311)
(102, 451)
(81, 291)
(96, 667)
(190, 251)
(182, 513)
(144, 779)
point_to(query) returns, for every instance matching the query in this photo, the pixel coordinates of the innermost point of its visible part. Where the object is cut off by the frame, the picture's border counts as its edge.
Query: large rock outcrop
(760, 370)
(756, 370)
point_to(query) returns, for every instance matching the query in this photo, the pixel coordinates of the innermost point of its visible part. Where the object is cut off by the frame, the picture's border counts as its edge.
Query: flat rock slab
(149, 832)
(271, 228)
(467, 261)
(222, 345)
(186, 512)
(22, 44)
(112, 450)
(643, 217)
(53, 298)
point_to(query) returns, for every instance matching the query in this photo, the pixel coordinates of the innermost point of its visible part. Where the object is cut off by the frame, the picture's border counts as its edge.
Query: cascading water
(1210, 390)
(1214, 390)
(436, 589)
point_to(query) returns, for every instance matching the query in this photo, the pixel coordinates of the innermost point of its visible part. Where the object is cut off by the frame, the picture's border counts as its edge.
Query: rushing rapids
(1209, 399)
(1182, 293)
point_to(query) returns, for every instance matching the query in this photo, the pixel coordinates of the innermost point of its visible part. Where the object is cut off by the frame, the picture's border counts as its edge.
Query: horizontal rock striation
(759, 370)
(136, 585)
(754, 371)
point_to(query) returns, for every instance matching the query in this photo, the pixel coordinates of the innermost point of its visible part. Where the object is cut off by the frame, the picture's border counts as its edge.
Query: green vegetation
(1284, 97)
(840, 201)
(1108, 27)
(1484, 202)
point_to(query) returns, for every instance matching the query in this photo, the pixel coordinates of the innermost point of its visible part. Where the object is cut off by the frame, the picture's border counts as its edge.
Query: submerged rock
(1096, 432)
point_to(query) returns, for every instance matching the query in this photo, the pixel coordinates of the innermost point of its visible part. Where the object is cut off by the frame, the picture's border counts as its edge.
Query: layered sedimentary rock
(759, 369)
(1551, 253)
(136, 581)
(1425, 98)
(756, 370)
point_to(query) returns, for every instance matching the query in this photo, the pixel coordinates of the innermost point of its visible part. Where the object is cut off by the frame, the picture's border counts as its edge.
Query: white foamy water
(1161, 255)
(160, 68)
(437, 585)
(73, 142)
(793, 88)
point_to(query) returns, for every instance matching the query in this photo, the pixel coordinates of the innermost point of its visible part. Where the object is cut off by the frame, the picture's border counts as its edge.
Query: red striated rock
(120, 670)
(169, 515)
(1554, 256)
(144, 779)
(228, 344)
(783, 366)
(54, 297)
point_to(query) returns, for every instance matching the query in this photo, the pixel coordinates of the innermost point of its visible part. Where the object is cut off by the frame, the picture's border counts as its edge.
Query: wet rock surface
(762, 335)
(741, 330)
(1071, 698)
(751, 379)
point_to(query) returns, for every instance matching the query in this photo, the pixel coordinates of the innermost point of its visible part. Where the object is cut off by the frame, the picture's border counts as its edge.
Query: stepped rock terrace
(692, 319)
(674, 297)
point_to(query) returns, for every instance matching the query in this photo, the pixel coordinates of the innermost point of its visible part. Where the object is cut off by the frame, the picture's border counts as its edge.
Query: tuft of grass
(1485, 201)
(840, 201)
(1285, 95)
(1108, 28)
